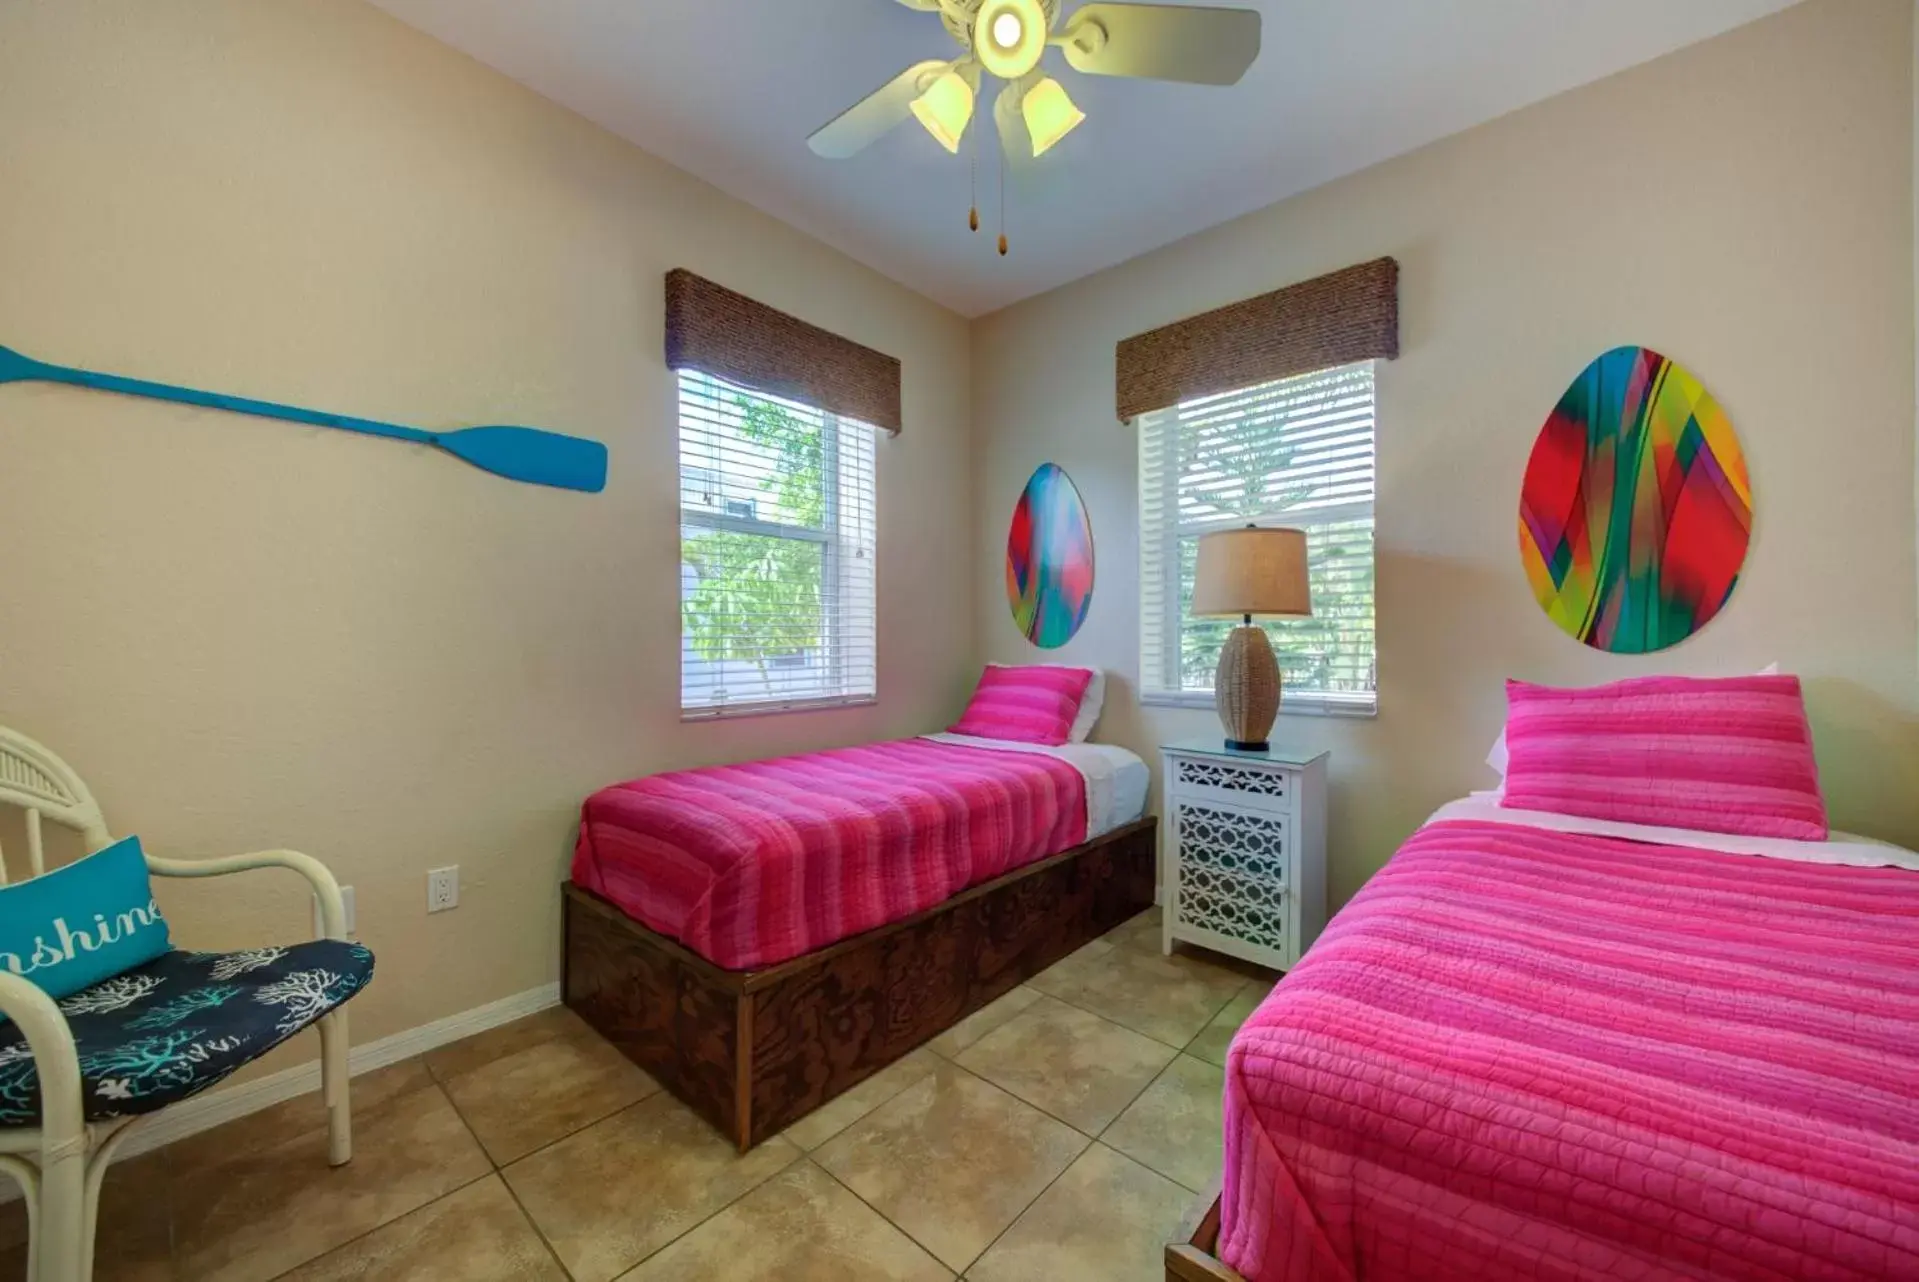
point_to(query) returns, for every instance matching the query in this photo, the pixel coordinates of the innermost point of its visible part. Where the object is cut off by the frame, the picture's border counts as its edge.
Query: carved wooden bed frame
(753, 1051)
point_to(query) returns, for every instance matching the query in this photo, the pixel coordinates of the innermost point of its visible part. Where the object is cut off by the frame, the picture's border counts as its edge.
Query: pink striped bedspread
(753, 864)
(1521, 1054)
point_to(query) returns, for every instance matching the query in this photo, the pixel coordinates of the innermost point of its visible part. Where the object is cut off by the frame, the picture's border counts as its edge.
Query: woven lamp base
(1246, 688)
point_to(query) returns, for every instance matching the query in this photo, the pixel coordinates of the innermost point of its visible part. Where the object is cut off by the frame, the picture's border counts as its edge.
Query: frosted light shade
(1252, 571)
(945, 108)
(1050, 114)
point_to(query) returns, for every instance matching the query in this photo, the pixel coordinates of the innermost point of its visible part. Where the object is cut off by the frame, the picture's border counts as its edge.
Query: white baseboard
(204, 1112)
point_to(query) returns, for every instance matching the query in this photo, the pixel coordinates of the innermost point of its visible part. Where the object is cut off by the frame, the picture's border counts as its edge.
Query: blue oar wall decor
(517, 453)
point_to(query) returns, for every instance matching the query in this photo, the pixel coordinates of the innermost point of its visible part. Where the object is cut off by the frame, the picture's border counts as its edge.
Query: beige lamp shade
(1252, 571)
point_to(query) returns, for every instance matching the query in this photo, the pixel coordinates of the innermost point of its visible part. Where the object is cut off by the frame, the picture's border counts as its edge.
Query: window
(776, 553)
(1295, 452)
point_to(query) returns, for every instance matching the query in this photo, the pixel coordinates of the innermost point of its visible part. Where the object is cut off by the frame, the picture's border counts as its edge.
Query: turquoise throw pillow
(72, 928)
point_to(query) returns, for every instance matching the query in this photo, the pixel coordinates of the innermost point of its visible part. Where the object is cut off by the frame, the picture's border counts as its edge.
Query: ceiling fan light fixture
(1009, 36)
(945, 108)
(1050, 114)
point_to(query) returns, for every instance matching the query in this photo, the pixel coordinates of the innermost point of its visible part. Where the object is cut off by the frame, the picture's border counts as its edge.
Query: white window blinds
(777, 546)
(1294, 452)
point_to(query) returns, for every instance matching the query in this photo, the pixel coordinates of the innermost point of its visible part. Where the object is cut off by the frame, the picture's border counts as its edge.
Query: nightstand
(1243, 851)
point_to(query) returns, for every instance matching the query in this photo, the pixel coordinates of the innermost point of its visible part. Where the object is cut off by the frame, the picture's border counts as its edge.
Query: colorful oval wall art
(1636, 510)
(1049, 559)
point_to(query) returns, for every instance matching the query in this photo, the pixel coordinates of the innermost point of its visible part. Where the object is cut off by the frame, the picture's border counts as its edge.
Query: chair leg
(90, 1228)
(61, 1245)
(334, 1084)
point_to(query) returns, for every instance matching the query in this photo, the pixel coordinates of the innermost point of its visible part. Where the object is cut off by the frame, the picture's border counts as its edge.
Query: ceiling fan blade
(1201, 46)
(927, 6)
(863, 123)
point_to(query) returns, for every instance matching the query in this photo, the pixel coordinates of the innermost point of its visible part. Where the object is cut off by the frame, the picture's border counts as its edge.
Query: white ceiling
(729, 90)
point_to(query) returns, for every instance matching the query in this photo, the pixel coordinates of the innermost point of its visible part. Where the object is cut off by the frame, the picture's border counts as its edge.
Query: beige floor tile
(799, 1226)
(288, 1120)
(982, 1021)
(1082, 1069)
(1107, 1219)
(1142, 932)
(1214, 1039)
(261, 1212)
(475, 1234)
(1167, 998)
(497, 1043)
(544, 1092)
(1174, 1128)
(1080, 956)
(1237, 965)
(612, 1194)
(111, 1264)
(840, 1112)
(13, 1217)
(952, 1160)
(133, 1243)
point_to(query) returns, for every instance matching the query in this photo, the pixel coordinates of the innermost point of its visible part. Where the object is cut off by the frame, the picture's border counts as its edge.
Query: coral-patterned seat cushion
(175, 1025)
(1025, 705)
(1727, 754)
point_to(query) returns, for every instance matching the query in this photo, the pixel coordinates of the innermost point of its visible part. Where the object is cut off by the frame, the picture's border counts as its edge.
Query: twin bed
(1540, 1047)
(758, 863)
(1554, 1040)
(763, 937)
(1537, 1045)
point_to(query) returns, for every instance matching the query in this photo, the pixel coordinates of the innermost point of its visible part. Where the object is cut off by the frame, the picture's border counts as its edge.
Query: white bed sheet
(1116, 779)
(1840, 848)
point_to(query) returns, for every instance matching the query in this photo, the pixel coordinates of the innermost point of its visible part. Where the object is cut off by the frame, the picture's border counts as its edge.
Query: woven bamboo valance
(712, 329)
(1336, 319)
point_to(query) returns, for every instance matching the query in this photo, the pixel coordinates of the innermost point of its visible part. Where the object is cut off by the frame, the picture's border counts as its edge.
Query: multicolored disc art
(1636, 510)
(1049, 559)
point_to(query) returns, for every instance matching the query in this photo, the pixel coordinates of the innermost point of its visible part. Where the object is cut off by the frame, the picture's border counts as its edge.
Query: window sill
(1290, 705)
(770, 708)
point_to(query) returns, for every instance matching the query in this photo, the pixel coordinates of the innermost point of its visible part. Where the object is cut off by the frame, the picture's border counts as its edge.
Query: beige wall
(247, 634)
(1744, 206)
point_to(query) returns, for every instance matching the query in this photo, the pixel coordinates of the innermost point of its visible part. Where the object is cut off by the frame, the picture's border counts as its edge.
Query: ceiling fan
(1005, 38)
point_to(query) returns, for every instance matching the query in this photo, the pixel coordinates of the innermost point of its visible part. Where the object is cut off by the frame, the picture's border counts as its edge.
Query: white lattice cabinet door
(1243, 851)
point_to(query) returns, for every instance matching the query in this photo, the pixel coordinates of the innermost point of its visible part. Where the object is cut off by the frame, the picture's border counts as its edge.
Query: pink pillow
(1025, 705)
(1724, 754)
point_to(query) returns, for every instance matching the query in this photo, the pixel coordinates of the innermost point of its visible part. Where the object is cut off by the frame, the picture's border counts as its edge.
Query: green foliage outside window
(759, 597)
(1331, 651)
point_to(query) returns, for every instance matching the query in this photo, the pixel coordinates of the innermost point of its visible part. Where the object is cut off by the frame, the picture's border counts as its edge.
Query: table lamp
(1250, 572)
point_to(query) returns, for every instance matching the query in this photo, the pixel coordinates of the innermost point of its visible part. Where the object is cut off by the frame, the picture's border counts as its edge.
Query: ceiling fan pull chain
(1002, 202)
(972, 184)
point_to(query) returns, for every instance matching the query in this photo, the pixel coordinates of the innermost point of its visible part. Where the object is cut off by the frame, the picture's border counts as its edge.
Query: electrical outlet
(442, 888)
(346, 901)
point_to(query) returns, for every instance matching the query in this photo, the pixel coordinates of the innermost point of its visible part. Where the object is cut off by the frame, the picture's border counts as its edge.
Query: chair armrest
(55, 1061)
(326, 891)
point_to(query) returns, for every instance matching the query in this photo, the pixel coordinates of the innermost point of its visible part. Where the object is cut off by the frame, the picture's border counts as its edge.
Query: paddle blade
(1201, 46)
(15, 368)
(528, 454)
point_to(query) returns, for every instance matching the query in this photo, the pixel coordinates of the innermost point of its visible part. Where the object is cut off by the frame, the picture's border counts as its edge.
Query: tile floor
(1060, 1134)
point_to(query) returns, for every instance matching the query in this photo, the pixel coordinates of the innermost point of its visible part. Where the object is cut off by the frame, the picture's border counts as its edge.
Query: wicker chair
(74, 1066)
